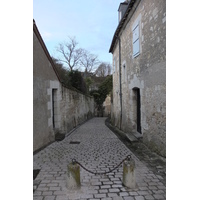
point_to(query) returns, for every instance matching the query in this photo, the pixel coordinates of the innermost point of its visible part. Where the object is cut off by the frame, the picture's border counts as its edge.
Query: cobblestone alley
(99, 150)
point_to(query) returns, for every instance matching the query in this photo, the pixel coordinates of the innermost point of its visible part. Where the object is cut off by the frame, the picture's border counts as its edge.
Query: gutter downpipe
(120, 83)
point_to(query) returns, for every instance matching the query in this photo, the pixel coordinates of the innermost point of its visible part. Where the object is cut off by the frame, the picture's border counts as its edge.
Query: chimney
(122, 9)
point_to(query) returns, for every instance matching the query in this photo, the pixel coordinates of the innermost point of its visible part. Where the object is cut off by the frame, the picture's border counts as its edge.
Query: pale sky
(92, 22)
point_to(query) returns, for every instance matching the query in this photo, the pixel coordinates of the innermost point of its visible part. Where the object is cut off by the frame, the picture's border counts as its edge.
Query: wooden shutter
(136, 41)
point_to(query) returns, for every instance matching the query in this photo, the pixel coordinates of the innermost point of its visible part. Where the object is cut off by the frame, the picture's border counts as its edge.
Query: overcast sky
(92, 22)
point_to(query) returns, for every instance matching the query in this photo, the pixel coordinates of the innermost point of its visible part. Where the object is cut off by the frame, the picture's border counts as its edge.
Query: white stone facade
(143, 75)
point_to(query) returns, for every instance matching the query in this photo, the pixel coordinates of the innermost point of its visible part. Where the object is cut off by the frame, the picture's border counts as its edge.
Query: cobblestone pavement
(99, 150)
(156, 163)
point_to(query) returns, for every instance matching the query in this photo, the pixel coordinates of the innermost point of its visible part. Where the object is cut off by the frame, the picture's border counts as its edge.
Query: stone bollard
(73, 175)
(129, 173)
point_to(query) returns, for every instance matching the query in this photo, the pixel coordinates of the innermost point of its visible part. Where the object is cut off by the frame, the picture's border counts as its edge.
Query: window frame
(124, 74)
(136, 41)
(136, 27)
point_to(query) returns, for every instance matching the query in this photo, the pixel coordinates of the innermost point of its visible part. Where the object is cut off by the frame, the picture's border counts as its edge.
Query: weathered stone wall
(115, 109)
(147, 72)
(44, 79)
(107, 106)
(75, 109)
(55, 108)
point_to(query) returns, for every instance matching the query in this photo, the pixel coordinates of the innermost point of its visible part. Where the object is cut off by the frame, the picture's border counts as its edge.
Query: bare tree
(71, 55)
(103, 70)
(89, 61)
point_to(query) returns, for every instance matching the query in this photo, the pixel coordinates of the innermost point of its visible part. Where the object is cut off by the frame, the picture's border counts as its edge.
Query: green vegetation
(105, 88)
(76, 80)
(71, 78)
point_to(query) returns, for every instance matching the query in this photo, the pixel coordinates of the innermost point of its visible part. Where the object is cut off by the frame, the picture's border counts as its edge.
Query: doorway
(136, 92)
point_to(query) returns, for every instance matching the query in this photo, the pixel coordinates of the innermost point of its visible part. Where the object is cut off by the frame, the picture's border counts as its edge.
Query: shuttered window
(136, 40)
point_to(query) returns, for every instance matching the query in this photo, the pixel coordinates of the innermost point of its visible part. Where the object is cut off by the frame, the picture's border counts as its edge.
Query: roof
(123, 3)
(120, 25)
(37, 33)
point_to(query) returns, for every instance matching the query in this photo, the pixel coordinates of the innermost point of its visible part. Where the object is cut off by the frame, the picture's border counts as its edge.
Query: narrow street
(97, 148)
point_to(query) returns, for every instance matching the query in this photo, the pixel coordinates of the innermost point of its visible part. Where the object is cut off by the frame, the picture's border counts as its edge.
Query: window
(124, 73)
(120, 16)
(136, 40)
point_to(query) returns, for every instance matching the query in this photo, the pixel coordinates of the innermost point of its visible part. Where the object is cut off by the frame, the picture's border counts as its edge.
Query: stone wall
(55, 108)
(75, 108)
(44, 79)
(107, 106)
(145, 72)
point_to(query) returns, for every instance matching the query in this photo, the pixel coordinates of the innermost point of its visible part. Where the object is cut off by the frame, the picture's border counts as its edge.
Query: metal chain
(100, 173)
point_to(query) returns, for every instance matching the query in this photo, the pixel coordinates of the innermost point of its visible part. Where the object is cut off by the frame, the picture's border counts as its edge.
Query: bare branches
(76, 58)
(103, 70)
(89, 61)
(70, 53)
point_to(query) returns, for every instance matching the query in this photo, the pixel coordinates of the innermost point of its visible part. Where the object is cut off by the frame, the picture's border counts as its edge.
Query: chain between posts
(74, 161)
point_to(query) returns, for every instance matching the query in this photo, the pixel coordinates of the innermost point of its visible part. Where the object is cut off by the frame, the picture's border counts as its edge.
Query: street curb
(122, 134)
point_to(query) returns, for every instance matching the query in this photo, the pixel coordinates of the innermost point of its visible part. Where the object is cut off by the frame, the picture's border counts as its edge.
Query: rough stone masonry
(139, 80)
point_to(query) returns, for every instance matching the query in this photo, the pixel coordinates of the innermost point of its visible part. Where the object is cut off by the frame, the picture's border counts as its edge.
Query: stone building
(55, 107)
(139, 72)
(107, 106)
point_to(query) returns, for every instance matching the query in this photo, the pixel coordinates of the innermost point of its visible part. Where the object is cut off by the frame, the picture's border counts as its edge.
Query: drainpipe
(120, 82)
